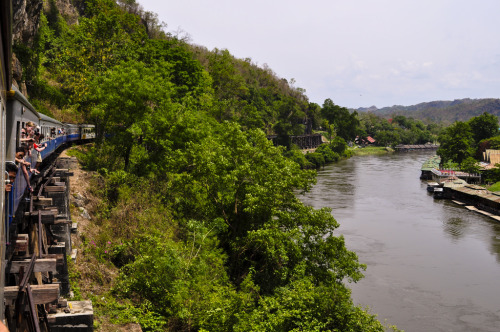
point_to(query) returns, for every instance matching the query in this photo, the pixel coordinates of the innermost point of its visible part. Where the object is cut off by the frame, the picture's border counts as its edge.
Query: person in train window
(25, 137)
(30, 128)
(11, 170)
(39, 147)
(21, 153)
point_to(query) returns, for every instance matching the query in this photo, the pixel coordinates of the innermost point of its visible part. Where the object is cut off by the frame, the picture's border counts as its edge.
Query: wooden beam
(51, 189)
(48, 216)
(51, 212)
(58, 257)
(42, 294)
(21, 243)
(59, 221)
(42, 201)
(41, 265)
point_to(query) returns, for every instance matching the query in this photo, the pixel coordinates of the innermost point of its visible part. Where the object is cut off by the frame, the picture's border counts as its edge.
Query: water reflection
(455, 227)
(432, 265)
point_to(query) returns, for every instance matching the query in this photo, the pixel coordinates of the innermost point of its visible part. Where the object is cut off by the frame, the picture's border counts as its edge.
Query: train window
(52, 131)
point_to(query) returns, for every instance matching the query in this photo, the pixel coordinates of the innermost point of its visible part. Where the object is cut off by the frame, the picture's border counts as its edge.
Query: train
(19, 112)
(56, 134)
(15, 113)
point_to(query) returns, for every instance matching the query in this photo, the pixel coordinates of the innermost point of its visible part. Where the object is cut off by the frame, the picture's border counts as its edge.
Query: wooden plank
(48, 216)
(41, 265)
(458, 203)
(471, 208)
(497, 218)
(23, 236)
(51, 189)
(58, 257)
(48, 212)
(21, 246)
(42, 294)
(484, 213)
(42, 201)
(63, 172)
(59, 221)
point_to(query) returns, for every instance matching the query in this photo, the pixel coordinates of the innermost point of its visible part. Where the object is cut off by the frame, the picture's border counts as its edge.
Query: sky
(358, 53)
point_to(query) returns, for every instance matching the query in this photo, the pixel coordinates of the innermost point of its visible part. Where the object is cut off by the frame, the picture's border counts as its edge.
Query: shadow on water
(432, 265)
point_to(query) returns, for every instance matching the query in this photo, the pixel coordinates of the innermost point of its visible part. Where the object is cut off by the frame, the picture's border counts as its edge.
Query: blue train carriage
(20, 112)
(5, 84)
(72, 132)
(87, 132)
(54, 133)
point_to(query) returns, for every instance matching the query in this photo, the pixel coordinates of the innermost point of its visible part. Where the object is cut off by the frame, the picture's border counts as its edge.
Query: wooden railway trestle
(37, 272)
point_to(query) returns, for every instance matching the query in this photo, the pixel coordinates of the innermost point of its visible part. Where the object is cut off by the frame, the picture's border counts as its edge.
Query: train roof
(49, 119)
(21, 98)
(16, 94)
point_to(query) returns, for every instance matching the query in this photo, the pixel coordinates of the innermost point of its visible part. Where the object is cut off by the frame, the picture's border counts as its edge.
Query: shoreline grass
(371, 150)
(494, 187)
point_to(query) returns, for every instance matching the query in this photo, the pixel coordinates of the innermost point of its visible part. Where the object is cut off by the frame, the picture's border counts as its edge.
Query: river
(431, 265)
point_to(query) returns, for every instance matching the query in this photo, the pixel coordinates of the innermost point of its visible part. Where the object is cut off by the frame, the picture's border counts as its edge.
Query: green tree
(470, 165)
(346, 124)
(456, 143)
(483, 126)
(124, 99)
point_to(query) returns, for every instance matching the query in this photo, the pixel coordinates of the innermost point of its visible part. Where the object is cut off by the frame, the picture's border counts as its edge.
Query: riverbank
(371, 150)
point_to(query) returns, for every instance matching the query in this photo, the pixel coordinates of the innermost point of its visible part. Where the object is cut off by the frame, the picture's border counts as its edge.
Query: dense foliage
(198, 209)
(397, 130)
(463, 140)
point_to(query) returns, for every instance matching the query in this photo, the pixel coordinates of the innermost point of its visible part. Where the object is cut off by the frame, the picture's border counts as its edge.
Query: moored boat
(431, 186)
(438, 192)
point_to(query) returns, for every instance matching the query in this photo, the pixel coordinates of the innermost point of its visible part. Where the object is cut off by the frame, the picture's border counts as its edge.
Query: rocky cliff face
(26, 20)
(25, 23)
(68, 9)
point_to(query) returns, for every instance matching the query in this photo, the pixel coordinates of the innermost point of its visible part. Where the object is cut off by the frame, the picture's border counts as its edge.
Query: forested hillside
(197, 226)
(446, 112)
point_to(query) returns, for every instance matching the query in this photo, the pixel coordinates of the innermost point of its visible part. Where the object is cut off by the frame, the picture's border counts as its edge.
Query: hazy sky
(358, 53)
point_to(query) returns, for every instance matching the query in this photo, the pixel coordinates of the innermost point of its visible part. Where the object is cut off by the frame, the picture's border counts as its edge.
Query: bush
(339, 145)
(327, 153)
(316, 159)
(297, 156)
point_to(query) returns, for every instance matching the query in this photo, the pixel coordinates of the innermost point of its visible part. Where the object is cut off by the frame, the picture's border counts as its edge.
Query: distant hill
(440, 111)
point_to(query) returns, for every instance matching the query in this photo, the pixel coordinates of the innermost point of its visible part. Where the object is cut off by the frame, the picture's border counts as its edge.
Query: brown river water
(431, 265)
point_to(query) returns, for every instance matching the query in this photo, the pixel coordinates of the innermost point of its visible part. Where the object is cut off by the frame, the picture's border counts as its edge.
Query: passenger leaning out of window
(39, 147)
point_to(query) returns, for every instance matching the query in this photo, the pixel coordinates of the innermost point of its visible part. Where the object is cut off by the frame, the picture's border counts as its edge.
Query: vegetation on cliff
(197, 212)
